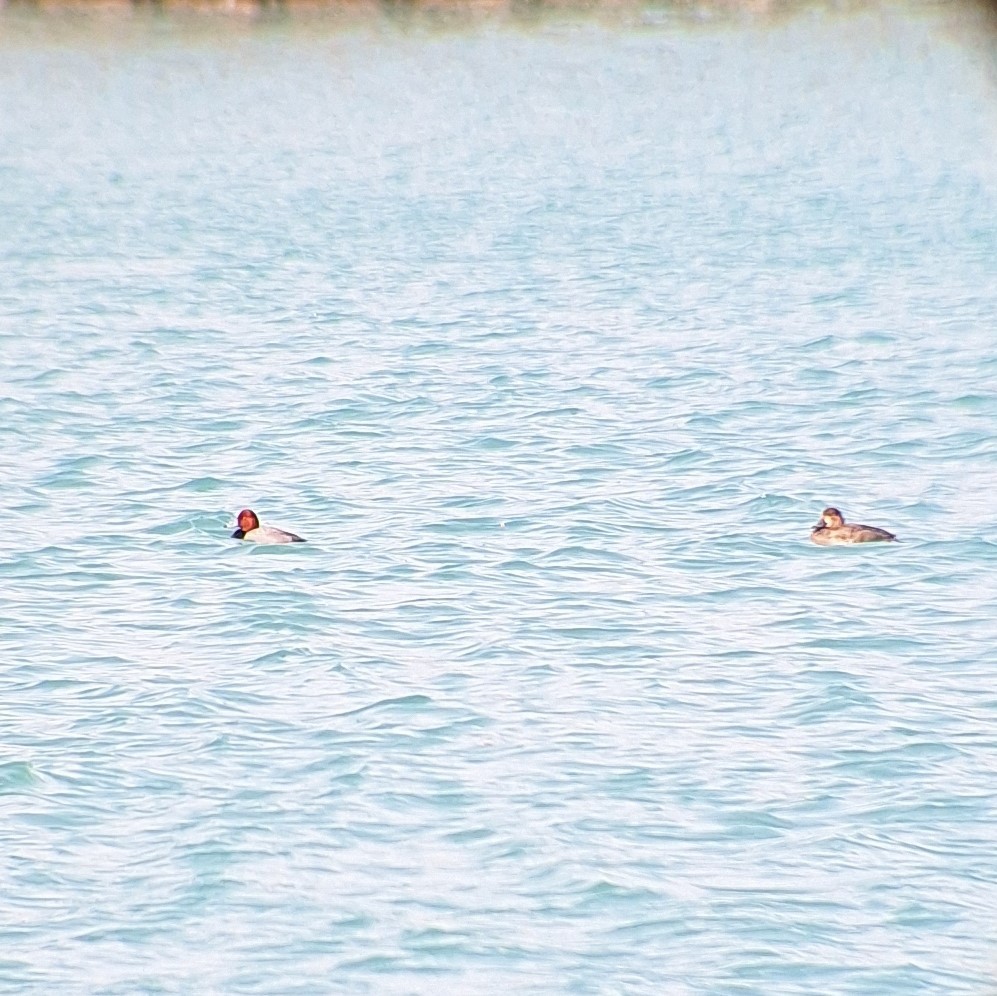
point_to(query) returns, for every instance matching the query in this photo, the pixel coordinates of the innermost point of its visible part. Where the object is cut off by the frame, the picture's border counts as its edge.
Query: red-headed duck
(832, 530)
(250, 529)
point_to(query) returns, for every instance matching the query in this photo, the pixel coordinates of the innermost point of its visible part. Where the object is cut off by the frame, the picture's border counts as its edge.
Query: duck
(250, 529)
(832, 530)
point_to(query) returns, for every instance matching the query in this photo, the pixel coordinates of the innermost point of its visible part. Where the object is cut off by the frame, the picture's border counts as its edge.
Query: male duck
(250, 529)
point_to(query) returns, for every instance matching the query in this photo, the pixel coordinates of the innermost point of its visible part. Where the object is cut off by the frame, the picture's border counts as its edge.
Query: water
(553, 339)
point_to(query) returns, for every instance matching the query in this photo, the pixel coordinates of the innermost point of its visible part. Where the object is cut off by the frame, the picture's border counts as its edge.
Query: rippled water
(553, 340)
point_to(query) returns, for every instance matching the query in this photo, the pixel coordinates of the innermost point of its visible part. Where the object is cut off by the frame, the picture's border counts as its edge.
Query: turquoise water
(553, 340)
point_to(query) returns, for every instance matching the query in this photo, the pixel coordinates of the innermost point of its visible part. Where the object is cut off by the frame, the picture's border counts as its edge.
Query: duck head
(247, 523)
(830, 518)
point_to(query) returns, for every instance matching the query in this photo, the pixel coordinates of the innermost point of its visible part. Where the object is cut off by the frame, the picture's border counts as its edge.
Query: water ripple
(554, 375)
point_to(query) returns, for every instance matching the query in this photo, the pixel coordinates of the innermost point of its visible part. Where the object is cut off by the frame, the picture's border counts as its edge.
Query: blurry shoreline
(429, 9)
(20, 19)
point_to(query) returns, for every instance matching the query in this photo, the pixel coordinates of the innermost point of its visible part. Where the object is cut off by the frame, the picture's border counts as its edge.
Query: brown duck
(832, 530)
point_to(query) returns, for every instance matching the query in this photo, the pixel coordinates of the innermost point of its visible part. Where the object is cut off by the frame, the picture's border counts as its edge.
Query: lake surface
(553, 338)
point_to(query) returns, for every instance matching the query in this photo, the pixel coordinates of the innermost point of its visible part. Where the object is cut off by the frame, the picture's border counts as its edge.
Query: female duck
(833, 530)
(250, 529)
